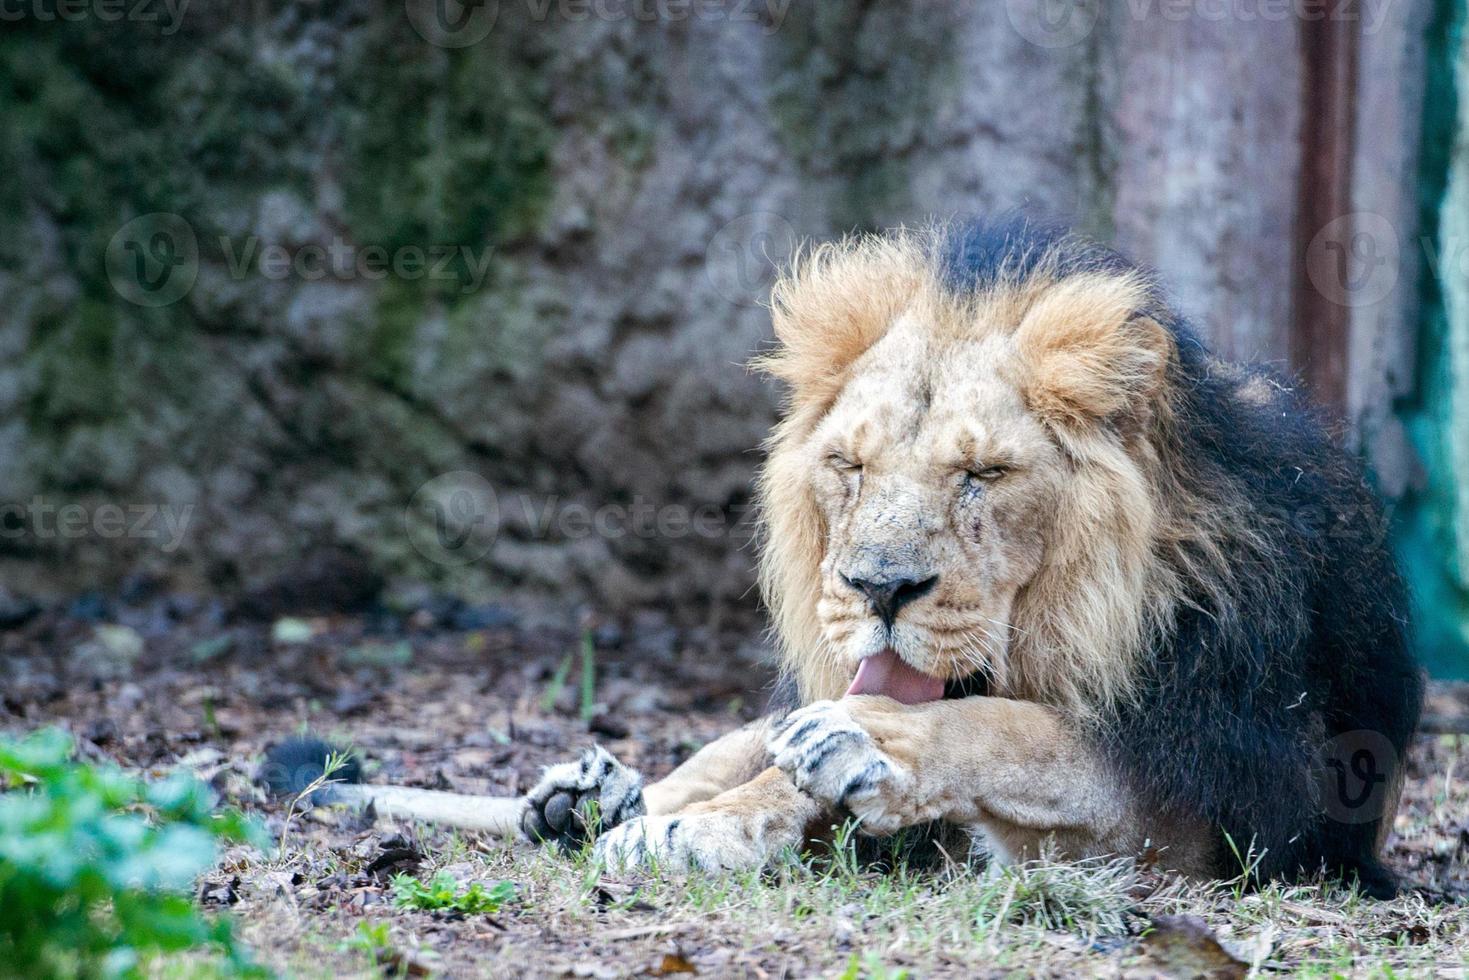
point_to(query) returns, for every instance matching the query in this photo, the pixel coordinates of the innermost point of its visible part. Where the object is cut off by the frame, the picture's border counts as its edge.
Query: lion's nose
(889, 594)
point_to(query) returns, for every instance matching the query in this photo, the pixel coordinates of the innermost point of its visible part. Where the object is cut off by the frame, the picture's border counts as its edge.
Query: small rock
(220, 892)
(352, 701)
(90, 606)
(291, 631)
(374, 654)
(111, 652)
(392, 860)
(486, 617)
(138, 588)
(102, 731)
(127, 699)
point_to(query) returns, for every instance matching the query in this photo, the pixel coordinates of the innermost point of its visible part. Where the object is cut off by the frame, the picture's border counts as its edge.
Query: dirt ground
(464, 699)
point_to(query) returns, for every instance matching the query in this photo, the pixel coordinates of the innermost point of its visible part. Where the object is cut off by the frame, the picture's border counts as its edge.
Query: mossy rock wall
(609, 191)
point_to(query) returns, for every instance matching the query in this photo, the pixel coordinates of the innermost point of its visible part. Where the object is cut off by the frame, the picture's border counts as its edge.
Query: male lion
(1044, 568)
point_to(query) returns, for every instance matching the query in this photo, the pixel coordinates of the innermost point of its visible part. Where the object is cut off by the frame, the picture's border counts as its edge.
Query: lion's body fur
(1215, 600)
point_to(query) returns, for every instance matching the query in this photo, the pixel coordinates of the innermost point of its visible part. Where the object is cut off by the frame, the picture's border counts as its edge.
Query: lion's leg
(743, 828)
(723, 764)
(1012, 770)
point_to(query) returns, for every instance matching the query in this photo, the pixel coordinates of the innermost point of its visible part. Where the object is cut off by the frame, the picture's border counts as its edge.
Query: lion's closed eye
(987, 474)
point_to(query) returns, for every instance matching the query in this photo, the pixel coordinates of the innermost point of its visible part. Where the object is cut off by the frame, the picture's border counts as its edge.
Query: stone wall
(596, 201)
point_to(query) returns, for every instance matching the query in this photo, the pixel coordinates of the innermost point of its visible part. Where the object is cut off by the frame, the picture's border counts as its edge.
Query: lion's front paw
(831, 757)
(575, 800)
(695, 841)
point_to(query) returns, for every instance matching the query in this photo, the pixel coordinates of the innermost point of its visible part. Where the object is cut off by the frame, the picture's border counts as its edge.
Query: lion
(1044, 570)
(1042, 567)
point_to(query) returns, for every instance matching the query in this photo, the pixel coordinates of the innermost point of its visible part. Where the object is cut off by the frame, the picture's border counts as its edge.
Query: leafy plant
(443, 893)
(870, 967)
(372, 938)
(96, 866)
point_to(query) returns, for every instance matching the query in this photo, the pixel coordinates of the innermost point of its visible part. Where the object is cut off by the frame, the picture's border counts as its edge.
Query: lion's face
(937, 486)
(966, 481)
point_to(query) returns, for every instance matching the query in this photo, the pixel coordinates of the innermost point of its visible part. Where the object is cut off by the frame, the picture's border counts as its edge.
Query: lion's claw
(688, 842)
(575, 801)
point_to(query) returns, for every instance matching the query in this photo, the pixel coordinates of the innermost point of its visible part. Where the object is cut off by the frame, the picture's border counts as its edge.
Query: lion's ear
(1088, 354)
(834, 303)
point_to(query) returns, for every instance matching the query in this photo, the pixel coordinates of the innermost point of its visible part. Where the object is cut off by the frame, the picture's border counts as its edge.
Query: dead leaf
(673, 963)
(1184, 946)
(1416, 934)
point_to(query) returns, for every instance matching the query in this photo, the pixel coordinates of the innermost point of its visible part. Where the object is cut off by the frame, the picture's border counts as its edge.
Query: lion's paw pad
(823, 750)
(574, 800)
(705, 841)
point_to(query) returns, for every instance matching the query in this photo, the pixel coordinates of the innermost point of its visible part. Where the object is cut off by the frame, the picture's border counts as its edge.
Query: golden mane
(1133, 531)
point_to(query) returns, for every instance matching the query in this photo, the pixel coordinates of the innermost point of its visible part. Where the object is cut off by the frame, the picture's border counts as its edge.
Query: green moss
(107, 121)
(449, 148)
(385, 353)
(74, 367)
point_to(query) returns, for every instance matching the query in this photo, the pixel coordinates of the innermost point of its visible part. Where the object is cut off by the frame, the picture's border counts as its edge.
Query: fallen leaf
(673, 963)
(1184, 946)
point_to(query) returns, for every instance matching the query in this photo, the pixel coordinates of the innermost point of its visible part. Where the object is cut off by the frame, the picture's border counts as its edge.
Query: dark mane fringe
(1302, 638)
(1292, 628)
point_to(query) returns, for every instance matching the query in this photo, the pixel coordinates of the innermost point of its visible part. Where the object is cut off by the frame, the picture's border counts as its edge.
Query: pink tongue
(887, 673)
